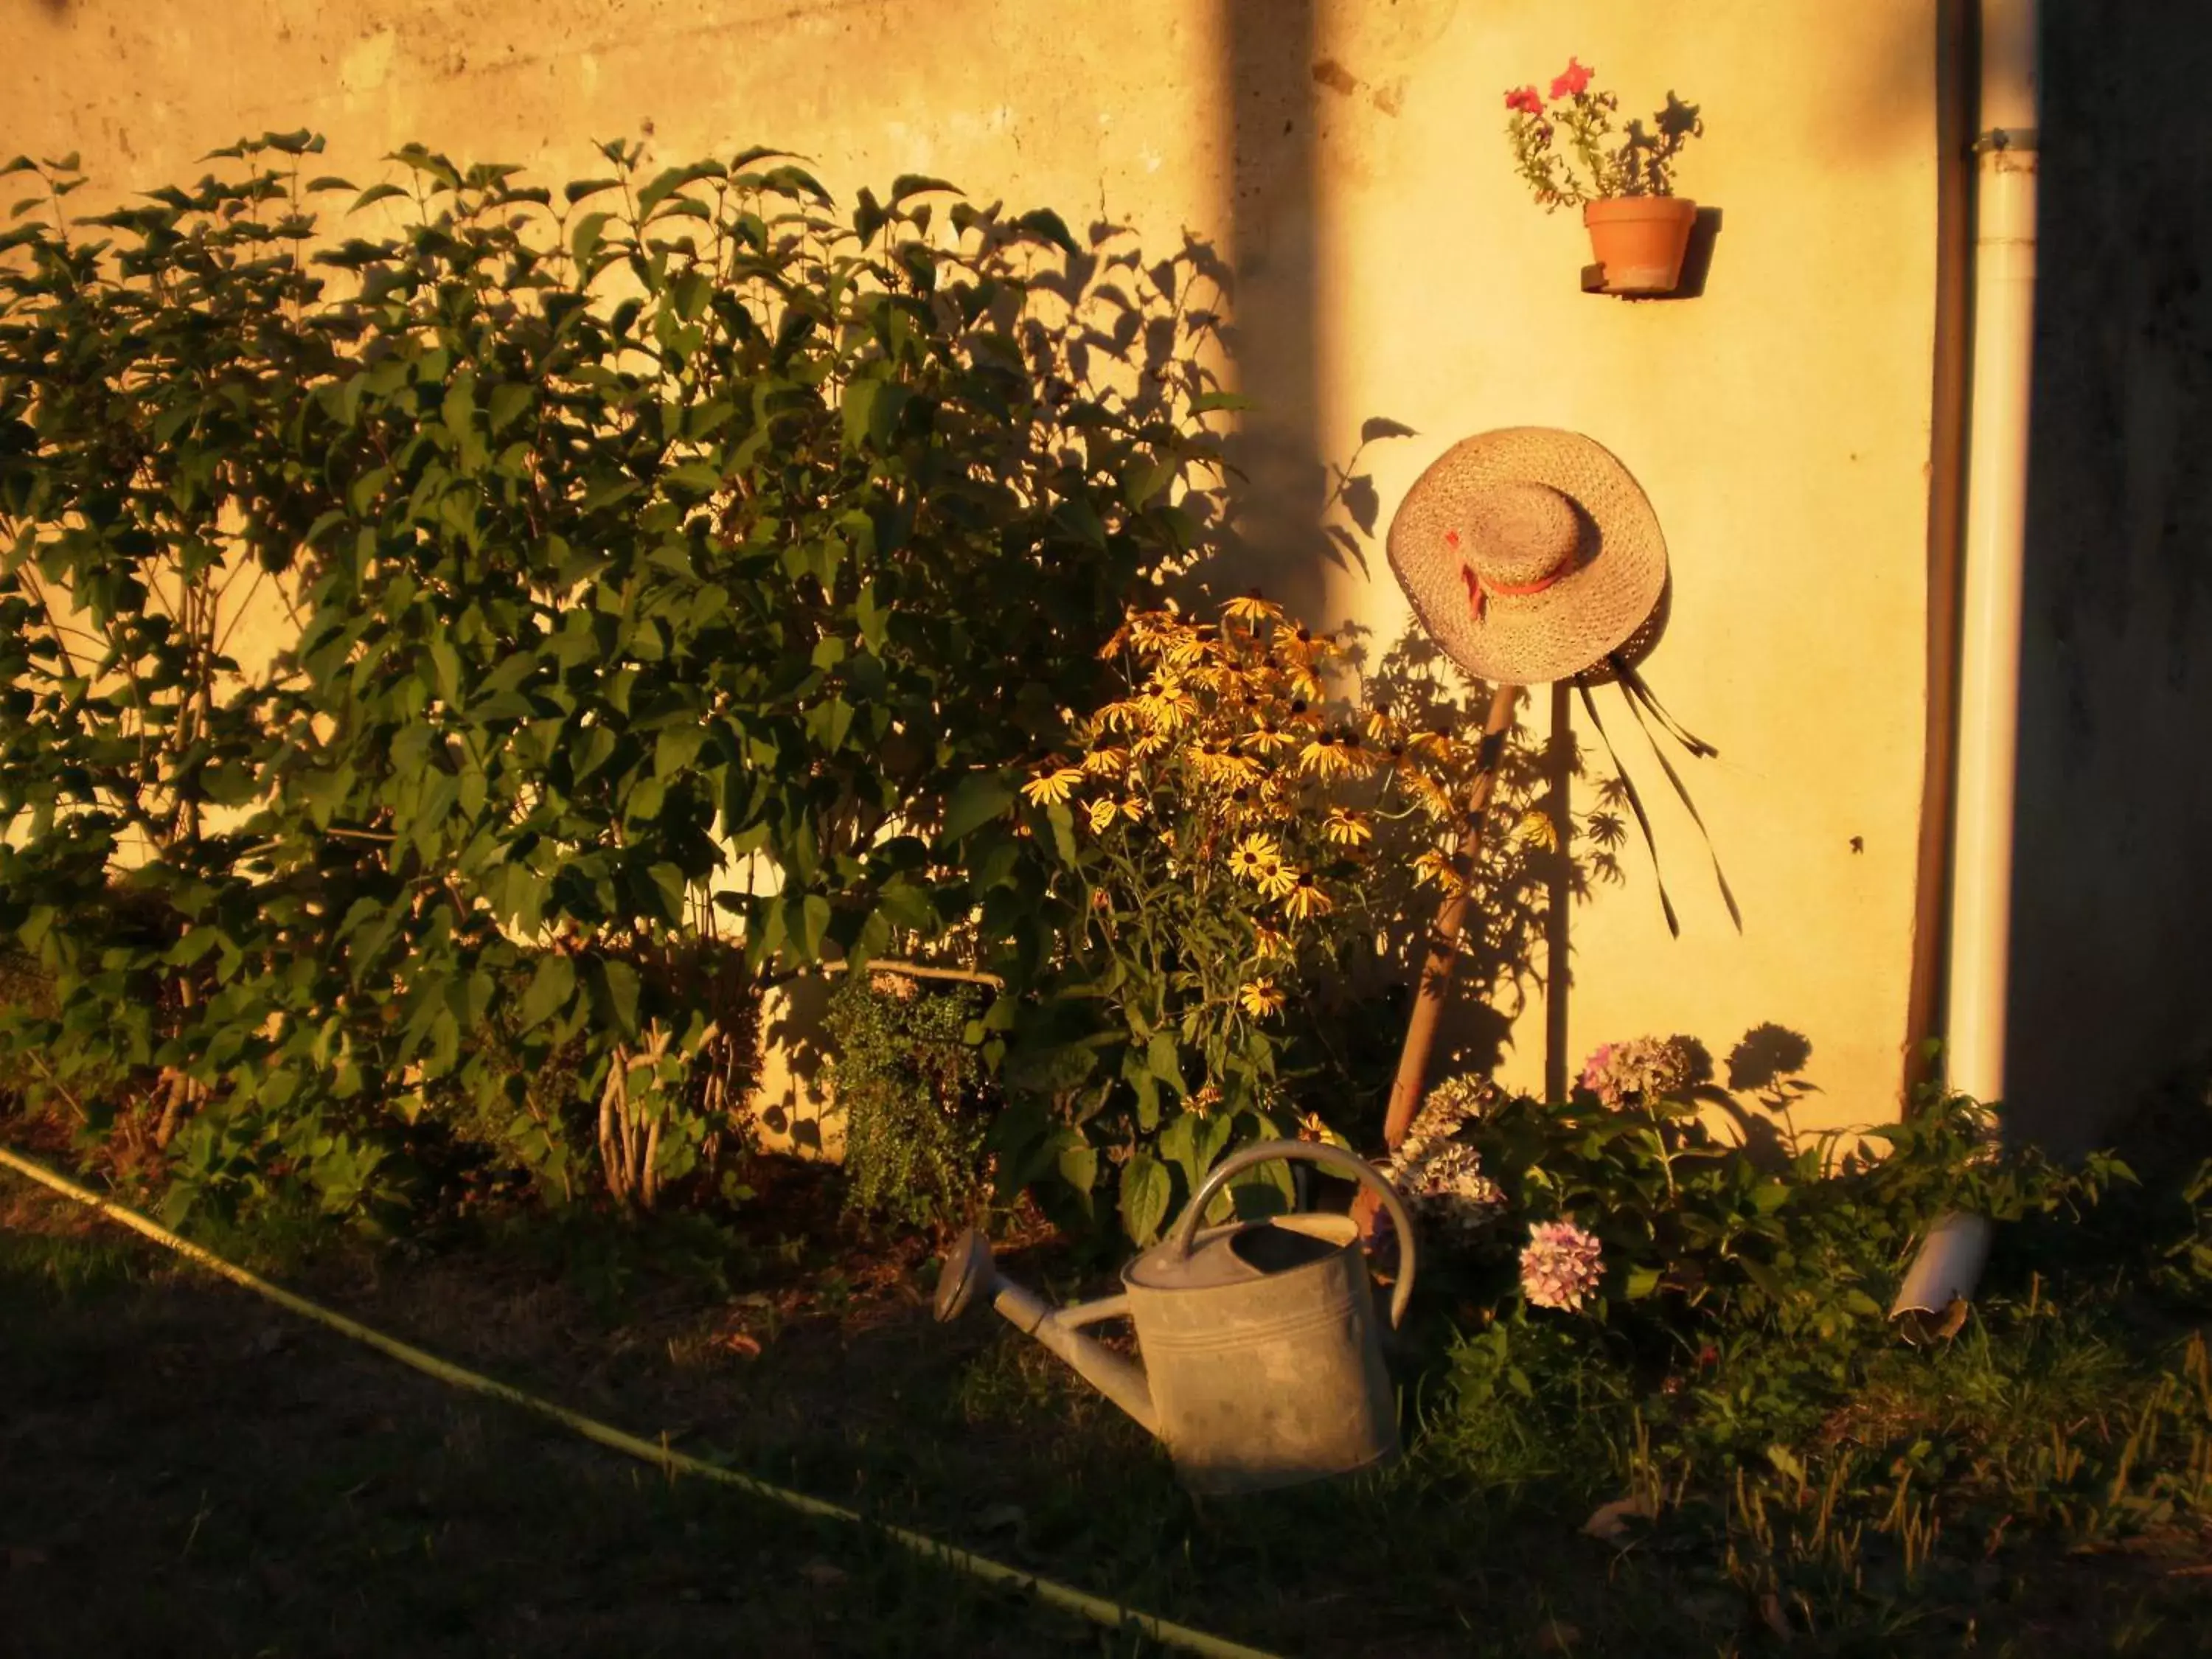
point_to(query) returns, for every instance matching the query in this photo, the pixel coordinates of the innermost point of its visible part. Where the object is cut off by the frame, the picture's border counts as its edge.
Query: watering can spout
(969, 1272)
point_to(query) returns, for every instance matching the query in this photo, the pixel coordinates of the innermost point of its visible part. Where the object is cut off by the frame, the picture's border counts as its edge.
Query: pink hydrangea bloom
(1640, 1071)
(1598, 1069)
(1561, 1265)
(1571, 80)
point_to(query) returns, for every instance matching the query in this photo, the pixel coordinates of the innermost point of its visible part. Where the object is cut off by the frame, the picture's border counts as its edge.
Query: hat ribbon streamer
(1638, 696)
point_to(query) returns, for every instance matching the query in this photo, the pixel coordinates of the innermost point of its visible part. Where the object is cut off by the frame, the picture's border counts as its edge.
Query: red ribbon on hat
(1478, 591)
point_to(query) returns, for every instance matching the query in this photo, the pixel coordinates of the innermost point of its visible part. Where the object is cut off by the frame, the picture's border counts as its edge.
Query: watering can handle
(1311, 1151)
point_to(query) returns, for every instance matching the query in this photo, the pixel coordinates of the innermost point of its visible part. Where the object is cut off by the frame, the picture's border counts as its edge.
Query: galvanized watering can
(1261, 1346)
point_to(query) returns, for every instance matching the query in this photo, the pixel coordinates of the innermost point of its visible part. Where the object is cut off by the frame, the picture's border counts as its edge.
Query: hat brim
(1572, 625)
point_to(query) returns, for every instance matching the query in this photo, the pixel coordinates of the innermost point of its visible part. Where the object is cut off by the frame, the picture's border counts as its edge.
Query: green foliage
(1702, 1238)
(1241, 828)
(1597, 165)
(628, 543)
(913, 1089)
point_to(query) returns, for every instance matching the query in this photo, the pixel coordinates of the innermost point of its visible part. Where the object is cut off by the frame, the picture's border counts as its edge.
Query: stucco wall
(1348, 154)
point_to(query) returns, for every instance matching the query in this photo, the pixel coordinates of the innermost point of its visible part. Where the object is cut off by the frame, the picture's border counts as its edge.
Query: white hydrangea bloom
(1440, 1176)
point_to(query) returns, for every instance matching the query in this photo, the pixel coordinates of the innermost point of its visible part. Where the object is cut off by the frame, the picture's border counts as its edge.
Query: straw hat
(1529, 554)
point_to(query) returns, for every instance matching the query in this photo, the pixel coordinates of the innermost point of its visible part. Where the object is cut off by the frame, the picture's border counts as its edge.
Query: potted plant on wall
(1568, 151)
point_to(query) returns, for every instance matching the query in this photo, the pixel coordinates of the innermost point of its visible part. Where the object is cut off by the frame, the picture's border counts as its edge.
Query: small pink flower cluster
(1567, 84)
(1561, 1265)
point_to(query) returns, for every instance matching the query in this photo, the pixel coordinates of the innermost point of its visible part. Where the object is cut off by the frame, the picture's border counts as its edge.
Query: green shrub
(1701, 1242)
(633, 533)
(23, 989)
(913, 1089)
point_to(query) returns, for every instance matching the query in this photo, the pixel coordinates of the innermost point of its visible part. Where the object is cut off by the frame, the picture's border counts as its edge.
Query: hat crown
(1519, 532)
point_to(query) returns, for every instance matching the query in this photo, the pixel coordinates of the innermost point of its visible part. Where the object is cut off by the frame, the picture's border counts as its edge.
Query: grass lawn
(185, 1469)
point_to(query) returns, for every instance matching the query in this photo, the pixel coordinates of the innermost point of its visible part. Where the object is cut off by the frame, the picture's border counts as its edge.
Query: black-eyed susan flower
(1050, 788)
(1265, 738)
(1250, 607)
(1430, 796)
(1347, 829)
(1185, 652)
(1310, 1127)
(1324, 757)
(1261, 998)
(1254, 855)
(1305, 898)
(1167, 701)
(1433, 868)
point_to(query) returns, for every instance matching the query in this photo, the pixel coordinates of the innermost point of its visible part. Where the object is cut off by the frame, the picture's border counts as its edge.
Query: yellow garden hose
(1067, 1597)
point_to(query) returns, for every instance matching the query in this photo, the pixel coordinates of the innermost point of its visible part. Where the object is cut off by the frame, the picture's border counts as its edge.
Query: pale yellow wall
(1393, 266)
(1780, 424)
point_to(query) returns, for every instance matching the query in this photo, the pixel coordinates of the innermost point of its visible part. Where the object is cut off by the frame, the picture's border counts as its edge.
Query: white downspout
(1950, 1262)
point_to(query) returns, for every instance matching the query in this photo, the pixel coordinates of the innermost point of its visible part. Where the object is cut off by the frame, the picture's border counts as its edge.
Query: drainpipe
(1950, 1262)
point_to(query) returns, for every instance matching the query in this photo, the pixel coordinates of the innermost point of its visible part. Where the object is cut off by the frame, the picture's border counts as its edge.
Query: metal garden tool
(1261, 1345)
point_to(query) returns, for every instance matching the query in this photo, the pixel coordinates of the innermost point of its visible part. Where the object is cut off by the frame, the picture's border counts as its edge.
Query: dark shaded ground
(186, 1470)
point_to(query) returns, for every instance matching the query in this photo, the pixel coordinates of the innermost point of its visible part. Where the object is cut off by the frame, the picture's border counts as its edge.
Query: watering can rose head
(1595, 163)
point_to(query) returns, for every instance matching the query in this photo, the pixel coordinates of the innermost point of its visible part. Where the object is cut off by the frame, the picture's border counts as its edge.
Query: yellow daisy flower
(1049, 789)
(1428, 795)
(1265, 738)
(1276, 879)
(1166, 704)
(1433, 868)
(1252, 608)
(1101, 817)
(1324, 757)
(1252, 855)
(1186, 653)
(1261, 998)
(1310, 1127)
(1428, 743)
(1347, 829)
(1305, 898)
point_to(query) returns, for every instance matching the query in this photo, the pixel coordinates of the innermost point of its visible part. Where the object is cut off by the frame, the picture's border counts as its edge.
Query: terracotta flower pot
(1640, 240)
